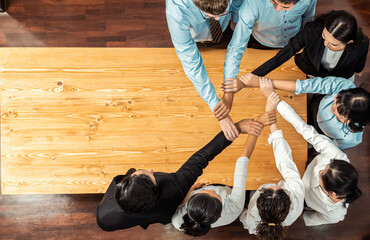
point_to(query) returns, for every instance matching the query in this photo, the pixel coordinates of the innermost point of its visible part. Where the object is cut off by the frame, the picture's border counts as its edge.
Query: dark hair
(354, 105)
(287, 1)
(214, 7)
(136, 193)
(203, 210)
(341, 178)
(343, 26)
(273, 208)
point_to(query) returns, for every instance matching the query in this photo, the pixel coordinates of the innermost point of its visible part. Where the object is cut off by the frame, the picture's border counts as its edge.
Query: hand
(222, 108)
(232, 85)
(232, 25)
(249, 80)
(272, 101)
(358, 75)
(249, 126)
(229, 129)
(197, 186)
(267, 118)
(266, 86)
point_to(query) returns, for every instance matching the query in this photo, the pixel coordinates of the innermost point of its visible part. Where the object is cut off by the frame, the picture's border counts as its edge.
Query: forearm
(274, 127)
(229, 97)
(286, 85)
(193, 167)
(249, 145)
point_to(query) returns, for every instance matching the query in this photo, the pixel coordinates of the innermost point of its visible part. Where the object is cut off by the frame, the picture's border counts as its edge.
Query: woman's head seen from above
(340, 30)
(338, 180)
(273, 206)
(352, 108)
(203, 209)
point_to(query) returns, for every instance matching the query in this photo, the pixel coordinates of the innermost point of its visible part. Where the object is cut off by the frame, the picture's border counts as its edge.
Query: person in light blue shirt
(188, 23)
(341, 114)
(271, 23)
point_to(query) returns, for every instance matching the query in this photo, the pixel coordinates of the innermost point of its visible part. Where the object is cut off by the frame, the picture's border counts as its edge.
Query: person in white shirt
(274, 206)
(330, 181)
(215, 205)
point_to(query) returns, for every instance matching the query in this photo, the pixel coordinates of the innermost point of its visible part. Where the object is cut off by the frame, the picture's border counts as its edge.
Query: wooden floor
(98, 23)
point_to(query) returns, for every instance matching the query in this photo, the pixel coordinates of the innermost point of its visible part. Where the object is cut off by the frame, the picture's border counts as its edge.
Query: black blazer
(309, 61)
(173, 188)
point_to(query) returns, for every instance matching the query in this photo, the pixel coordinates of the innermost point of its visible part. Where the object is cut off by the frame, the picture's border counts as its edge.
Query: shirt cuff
(298, 87)
(243, 159)
(275, 135)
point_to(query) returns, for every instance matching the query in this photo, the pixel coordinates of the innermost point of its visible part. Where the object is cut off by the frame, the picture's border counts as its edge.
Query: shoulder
(178, 8)
(177, 219)
(316, 26)
(118, 178)
(252, 6)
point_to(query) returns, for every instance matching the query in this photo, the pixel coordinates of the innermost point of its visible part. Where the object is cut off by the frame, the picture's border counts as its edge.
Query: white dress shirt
(324, 210)
(292, 184)
(232, 198)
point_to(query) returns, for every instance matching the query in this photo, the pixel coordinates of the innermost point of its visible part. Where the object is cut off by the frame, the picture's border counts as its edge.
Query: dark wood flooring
(138, 23)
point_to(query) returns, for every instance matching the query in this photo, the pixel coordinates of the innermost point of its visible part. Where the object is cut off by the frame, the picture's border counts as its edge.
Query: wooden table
(73, 118)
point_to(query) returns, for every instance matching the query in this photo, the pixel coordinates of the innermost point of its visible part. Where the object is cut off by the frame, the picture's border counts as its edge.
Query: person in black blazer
(336, 31)
(141, 197)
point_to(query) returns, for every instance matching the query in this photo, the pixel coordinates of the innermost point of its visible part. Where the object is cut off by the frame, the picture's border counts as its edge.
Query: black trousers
(253, 43)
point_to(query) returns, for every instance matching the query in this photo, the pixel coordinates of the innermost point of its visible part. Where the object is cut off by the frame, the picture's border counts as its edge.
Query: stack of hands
(250, 126)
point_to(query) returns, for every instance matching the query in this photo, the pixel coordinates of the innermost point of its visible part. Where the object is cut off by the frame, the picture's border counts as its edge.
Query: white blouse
(292, 184)
(330, 58)
(324, 210)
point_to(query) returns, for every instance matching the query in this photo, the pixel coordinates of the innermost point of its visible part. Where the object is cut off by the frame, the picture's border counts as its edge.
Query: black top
(309, 61)
(173, 188)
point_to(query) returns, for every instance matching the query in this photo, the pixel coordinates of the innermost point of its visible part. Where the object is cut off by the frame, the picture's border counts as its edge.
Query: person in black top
(332, 46)
(141, 197)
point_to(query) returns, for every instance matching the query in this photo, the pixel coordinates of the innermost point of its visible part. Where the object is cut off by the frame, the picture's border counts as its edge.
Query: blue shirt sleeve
(327, 85)
(235, 5)
(248, 14)
(308, 16)
(191, 60)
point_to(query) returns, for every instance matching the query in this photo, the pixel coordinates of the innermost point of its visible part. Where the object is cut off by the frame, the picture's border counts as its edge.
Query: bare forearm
(286, 85)
(249, 145)
(274, 127)
(229, 96)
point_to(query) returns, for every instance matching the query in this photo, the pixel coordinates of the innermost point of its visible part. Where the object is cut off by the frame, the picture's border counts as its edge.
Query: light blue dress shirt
(330, 125)
(187, 25)
(269, 27)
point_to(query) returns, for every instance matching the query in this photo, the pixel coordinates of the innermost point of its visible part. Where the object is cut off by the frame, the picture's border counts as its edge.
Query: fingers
(219, 108)
(257, 126)
(229, 128)
(229, 86)
(221, 112)
(235, 132)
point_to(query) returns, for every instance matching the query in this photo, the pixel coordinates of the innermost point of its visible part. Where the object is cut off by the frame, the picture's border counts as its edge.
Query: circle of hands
(246, 126)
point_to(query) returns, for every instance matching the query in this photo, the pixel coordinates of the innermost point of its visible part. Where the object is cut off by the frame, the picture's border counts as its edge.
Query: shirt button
(284, 29)
(285, 37)
(285, 21)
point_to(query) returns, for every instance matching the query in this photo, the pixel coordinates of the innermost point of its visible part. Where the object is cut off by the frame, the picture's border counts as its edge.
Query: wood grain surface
(73, 118)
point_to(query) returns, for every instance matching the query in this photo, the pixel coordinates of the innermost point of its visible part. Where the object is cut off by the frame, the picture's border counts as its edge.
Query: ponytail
(268, 231)
(273, 207)
(203, 210)
(194, 228)
(353, 195)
